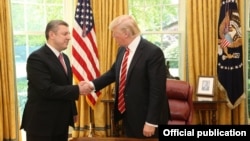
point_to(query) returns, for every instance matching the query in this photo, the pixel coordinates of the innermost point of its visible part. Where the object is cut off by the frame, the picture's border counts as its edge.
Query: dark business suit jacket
(51, 96)
(145, 90)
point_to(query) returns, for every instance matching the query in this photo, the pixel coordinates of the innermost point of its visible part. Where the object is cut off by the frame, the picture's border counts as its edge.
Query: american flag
(85, 61)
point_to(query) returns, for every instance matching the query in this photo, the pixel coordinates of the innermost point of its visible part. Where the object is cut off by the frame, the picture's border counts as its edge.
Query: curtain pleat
(202, 23)
(9, 120)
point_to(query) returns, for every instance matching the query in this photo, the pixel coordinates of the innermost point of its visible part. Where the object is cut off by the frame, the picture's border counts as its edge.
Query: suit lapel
(137, 55)
(54, 58)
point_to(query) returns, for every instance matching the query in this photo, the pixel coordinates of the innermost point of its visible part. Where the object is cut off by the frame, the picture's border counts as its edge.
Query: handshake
(85, 87)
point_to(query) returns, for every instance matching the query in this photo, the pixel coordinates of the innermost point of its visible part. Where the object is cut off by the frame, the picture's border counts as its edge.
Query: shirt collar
(133, 45)
(56, 52)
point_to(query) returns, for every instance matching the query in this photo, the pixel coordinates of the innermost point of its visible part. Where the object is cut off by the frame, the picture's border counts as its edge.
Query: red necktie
(62, 62)
(121, 102)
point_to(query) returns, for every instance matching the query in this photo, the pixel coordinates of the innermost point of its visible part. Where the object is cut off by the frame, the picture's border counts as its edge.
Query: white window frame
(182, 61)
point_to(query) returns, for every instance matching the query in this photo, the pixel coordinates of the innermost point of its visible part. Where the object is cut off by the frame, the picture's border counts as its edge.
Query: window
(160, 23)
(29, 18)
(29, 35)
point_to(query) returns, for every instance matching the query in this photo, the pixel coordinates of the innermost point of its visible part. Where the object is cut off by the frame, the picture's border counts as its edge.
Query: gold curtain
(9, 120)
(202, 23)
(104, 11)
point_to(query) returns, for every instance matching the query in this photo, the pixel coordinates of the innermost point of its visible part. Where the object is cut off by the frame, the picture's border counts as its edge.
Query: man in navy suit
(51, 108)
(146, 104)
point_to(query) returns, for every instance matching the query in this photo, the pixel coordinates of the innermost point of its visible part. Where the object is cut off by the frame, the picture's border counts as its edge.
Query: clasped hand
(85, 87)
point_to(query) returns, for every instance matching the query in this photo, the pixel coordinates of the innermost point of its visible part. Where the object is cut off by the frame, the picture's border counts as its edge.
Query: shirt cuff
(151, 124)
(92, 84)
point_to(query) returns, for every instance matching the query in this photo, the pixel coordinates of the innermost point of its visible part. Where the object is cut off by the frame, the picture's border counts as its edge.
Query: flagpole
(91, 123)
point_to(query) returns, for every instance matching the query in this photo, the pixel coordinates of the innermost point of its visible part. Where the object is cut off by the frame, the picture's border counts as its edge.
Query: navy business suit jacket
(145, 88)
(51, 96)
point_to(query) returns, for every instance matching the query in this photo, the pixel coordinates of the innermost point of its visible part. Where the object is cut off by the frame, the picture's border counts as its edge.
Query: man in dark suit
(50, 108)
(146, 104)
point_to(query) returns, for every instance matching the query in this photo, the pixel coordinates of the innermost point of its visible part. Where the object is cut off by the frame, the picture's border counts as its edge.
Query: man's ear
(51, 34)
